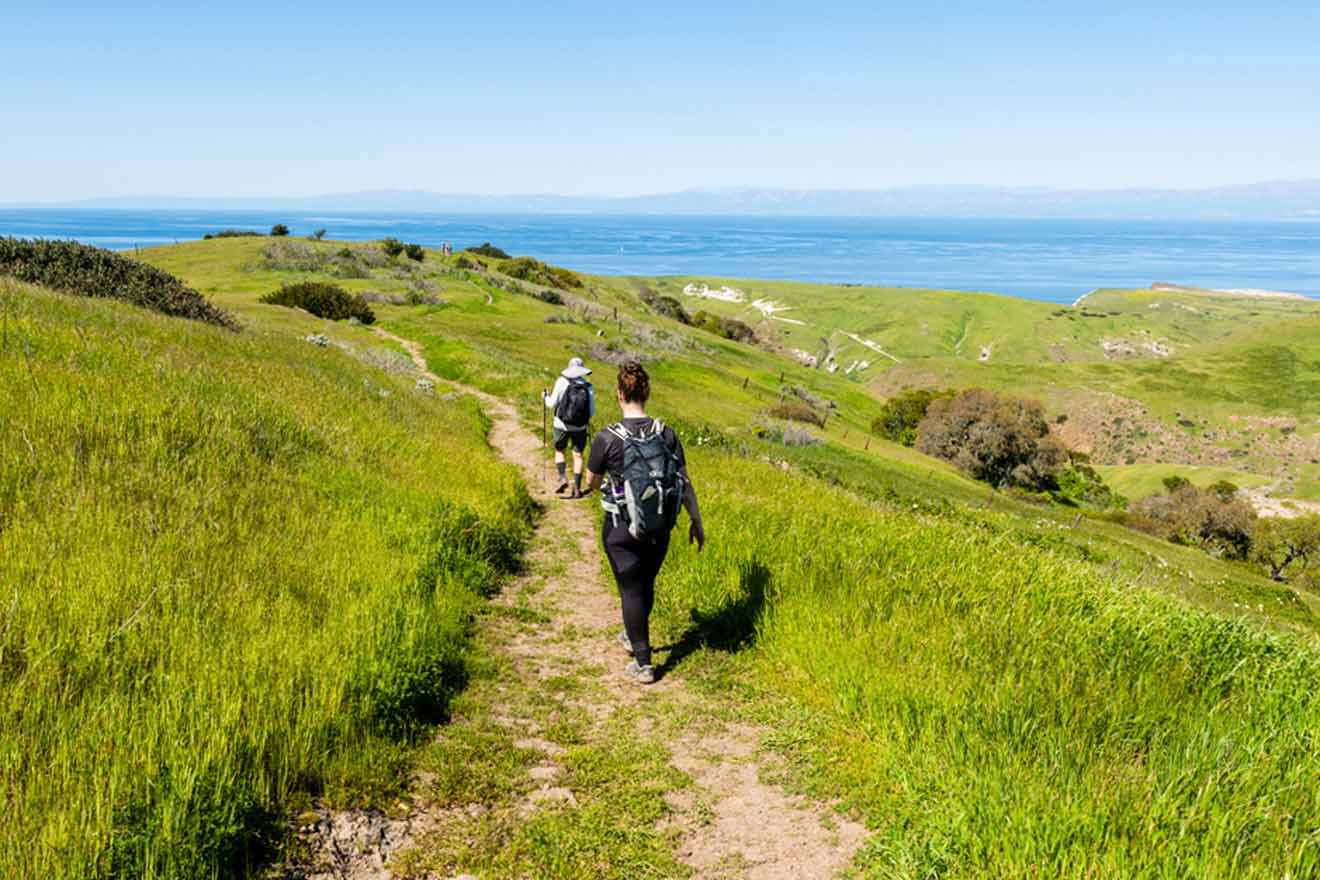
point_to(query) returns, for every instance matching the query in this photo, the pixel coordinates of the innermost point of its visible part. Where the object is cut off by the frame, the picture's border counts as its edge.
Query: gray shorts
(578, 437)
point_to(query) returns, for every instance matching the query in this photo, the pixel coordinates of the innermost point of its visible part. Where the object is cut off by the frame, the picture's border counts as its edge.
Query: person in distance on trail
(574, 403)
(642, 459)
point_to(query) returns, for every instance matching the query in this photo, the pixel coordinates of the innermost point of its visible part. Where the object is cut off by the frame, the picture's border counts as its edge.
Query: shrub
(1198, 518)
(317, 235)
(668, 307)
(1081, 485)
(462, 262)
(788, 435)
(529, 269)
(729, 328)
(796, 411)
(279, 229)
(329, 301)
(1225, 490)
(486, 249)
(1002, 440)
(294, 256)
(1174, 482)
(414, 252)
(232, 233)
(84, 270)
(902, 413)
(391, 246)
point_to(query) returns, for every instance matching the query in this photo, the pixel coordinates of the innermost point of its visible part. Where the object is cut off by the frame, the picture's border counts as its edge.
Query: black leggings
(635, 565)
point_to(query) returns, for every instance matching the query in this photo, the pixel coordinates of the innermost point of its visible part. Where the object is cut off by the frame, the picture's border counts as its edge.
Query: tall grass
(232, 567)
(995, 707)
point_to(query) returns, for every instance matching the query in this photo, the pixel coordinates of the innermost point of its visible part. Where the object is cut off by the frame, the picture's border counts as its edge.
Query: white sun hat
(575, 369)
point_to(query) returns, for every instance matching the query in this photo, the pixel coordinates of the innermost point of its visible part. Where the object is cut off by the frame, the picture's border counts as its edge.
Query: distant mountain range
(1281, 200)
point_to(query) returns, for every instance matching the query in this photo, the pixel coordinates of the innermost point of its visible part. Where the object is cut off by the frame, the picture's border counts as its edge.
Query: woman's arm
(696, 532)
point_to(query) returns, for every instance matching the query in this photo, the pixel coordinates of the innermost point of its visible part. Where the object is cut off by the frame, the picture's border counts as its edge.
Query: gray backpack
(652, 489)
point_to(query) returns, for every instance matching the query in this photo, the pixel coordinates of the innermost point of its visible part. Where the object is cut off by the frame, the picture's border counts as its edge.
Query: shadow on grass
(730, 628)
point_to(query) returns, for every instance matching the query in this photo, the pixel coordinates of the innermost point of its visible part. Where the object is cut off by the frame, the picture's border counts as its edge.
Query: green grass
(1139, 480)
(996, 705)
(237, 568)
(1000, 688)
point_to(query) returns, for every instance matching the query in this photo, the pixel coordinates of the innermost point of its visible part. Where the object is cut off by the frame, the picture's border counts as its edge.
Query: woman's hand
(697, 535)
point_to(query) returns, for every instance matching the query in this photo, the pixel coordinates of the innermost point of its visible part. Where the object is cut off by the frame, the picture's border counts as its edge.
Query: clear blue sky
(232, 98)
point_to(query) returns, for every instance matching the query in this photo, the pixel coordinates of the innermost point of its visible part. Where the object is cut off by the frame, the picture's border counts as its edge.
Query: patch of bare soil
(731, 823)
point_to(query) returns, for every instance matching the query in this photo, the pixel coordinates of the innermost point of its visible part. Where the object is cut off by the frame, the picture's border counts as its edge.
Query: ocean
(1054, 260)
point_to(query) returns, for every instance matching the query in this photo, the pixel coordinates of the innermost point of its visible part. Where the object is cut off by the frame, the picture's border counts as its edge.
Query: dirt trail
(728, 824)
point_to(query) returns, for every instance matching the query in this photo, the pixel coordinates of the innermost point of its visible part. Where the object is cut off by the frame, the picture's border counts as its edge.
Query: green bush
(486, 249)
(329, 301)
(729, 328)
(232, 233)
(415, 252)
(279, 229)
(84, 270)
(529, 269)
(1081, 485)
(391, 246)
(901, 414)
(668, 307)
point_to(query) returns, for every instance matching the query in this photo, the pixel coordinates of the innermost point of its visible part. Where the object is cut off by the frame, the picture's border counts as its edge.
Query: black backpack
(652, 488)
(574, 408)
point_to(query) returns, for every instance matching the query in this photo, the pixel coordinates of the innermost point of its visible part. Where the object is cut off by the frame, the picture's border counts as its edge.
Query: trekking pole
(544, 472)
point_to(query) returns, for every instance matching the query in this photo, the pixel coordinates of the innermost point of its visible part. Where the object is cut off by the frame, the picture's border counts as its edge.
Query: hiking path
(557, 764)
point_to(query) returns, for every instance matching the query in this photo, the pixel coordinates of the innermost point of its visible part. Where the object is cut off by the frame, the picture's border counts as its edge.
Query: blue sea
(1055, 260)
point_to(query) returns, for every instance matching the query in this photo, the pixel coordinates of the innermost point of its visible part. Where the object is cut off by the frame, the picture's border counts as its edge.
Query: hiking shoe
(562, 487)
(643, 674)
(626, 642)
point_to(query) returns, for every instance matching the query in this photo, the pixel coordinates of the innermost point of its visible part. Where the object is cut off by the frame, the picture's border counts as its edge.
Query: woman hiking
(647, 483)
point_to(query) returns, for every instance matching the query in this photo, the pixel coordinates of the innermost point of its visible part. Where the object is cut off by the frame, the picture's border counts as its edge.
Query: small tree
(391, 246)
(1002, 440)
(318, 235)
(415, 252)
(1286, 548)
(279, 229)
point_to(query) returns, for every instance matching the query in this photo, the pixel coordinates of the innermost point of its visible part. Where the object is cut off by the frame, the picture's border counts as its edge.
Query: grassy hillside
(994, 704)
(1000, 688)
(514, 345)
(237, 568)
(1145, 376)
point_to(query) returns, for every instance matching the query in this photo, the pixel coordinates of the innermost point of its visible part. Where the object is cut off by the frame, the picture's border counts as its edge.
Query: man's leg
(561, 443)
(579, 440)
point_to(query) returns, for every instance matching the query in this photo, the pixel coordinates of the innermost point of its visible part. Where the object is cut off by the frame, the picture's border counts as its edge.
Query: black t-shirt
(606, 455)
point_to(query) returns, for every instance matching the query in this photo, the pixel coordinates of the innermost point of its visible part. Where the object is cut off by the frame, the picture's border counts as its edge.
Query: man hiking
(647, 483)
(574, 403)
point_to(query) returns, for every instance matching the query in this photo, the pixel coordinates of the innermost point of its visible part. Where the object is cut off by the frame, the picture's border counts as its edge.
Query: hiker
(648, 482)
(574, 403)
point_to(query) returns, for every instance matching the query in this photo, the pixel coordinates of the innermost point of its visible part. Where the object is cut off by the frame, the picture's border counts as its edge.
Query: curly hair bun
(634, 384)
